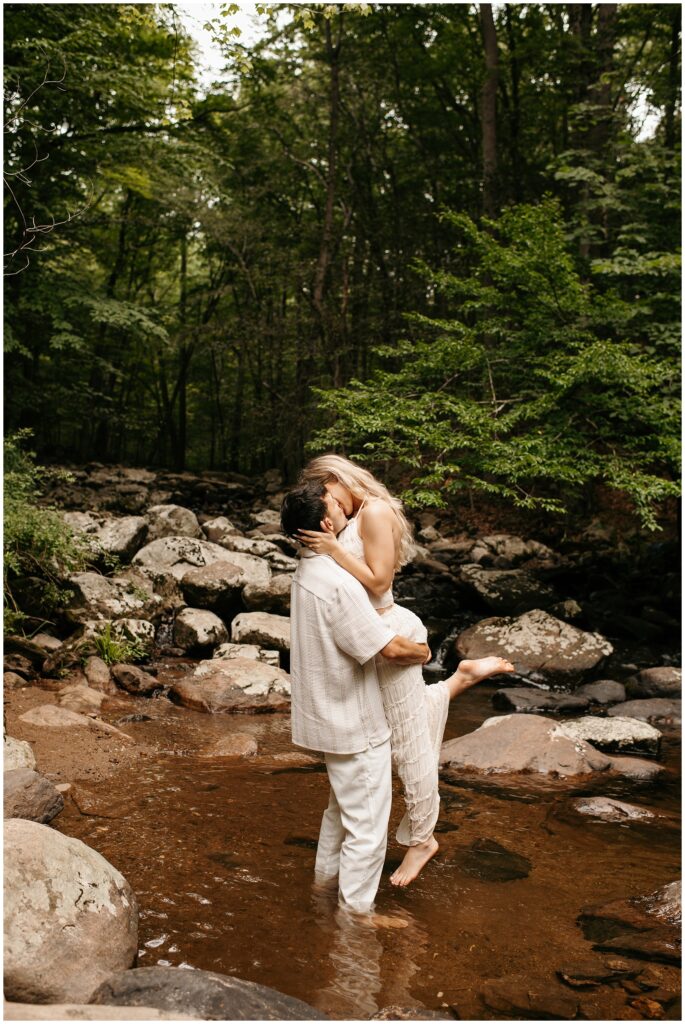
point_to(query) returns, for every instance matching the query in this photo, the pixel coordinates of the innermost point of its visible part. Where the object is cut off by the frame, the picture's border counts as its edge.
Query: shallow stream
(220, 855)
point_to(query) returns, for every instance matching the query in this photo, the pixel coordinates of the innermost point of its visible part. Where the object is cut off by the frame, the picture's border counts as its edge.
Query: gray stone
(17, 754)
(122, 536)
(636, 768)
(216, 587)
(251, 651)
(659, 682)
(135, 680)
(607, 809)
(506, 551)
(71, 919)
(602, 691)
(615, 735)
(211, 996)
(663, 710)
(171, 521)
(262, 628)
(529, 698)
(249, 545)
(31, 796)
(236, 686)
(47, 642)
(218, 528)
(170, 558)
(507, 591)
(273, 596)
(541, 647)
(102, 598)
(522, 743)
(280, 562)
(196, 628)
(267, 515)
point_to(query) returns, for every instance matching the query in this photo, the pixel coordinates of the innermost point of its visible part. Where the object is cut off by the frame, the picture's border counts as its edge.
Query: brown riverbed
(220, 855)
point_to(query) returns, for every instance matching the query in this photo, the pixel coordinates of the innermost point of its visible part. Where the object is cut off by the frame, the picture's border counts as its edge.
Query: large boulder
(507, 591)
(171, 521)
(273, 596)
(211, 996)
(263, 629)
(661, 710)
(122, 536)
(99, 598)
(615, 735)
(658, 682)
(541, 647)
(71, 919)
(167, 560)
(17, 754)
(30, 795)
(522, 743)
(236, 686)
(195, 628)
(216, 587)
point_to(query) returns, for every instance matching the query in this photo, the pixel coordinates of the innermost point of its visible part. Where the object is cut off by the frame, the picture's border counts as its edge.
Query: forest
(439, 238)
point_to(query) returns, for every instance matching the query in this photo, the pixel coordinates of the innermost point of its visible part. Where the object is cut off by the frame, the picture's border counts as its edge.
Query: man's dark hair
(303, 509)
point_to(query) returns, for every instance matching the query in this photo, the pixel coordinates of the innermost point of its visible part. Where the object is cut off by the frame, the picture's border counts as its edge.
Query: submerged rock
(209, 995)
(520, 996)
(615, 735)
(235, 745)
(491, 862)
(31, 796)
(646, 927)
(540, 646)
(71, 919)
(607, 809)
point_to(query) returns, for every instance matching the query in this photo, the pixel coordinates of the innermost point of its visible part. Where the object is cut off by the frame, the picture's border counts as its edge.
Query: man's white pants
(354, 829)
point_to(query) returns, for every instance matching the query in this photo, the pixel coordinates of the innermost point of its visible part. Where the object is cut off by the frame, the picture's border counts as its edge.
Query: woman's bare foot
(471, 672)
(415, 860)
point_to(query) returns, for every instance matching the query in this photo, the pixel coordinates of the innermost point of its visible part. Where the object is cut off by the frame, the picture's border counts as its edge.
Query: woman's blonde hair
(362, 484)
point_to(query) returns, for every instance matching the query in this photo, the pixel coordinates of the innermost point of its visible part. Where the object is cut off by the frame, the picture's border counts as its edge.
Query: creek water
(220, 855)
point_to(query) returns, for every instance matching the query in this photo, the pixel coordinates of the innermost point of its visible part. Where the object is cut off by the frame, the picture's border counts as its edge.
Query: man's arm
(402, 651)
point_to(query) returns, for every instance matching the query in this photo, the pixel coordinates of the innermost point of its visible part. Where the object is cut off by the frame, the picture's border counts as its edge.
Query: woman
(376, 542)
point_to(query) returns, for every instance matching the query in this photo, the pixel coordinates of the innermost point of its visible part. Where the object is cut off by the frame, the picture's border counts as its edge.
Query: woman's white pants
(354, 829)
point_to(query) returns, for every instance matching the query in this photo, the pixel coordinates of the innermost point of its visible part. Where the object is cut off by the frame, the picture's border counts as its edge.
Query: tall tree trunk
(673, 78)
(489, 111)
(182, 384)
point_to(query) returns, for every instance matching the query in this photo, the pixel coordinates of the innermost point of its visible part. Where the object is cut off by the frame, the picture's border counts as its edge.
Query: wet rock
(12, 681)
(196, 628)
(31, 796)
(211, 996)
(262, 628)
(540, 646)
(659, 682)
(101, 598)
(636, 768)
(646, 927)
(507, 591)
(71, 919)
(603, 691)
(98, 675)
(85, 1011)
(273, 596)
(535, 999)
(410, 1012)
(487, 860)
(81, 699)
(172, 557)
(216, 587)
(615, 735)
(171, 521)
(235, 686)
(135, 680)
(236, 745)
(522, 743)
(228, 651)
(663, 710)
(218, 528)
(529, 699)
(607, 809)
(17, 754)
(596, 973)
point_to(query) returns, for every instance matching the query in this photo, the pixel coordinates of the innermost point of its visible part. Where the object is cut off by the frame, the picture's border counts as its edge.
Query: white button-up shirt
(334, 634)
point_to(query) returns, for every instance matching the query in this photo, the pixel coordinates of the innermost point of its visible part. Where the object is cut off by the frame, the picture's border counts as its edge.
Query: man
(336, 701)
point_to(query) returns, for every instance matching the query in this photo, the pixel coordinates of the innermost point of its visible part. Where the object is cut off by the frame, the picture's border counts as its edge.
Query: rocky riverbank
(191, 578)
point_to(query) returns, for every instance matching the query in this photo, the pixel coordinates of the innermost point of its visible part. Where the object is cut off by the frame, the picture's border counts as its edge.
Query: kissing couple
(358, 694)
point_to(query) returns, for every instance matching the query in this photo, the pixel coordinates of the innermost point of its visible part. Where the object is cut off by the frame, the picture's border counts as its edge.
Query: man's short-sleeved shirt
(334, 634)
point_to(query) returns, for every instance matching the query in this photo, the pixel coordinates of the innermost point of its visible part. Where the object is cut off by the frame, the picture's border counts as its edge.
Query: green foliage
(113, 646)
(37, 543)
(525, 391)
